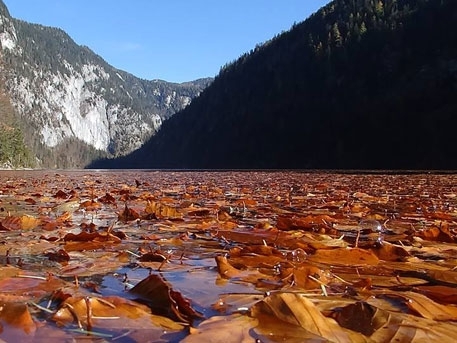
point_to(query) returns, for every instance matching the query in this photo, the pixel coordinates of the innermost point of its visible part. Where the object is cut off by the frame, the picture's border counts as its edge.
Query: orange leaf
(345, 256)
(161, 210)
(164, 300)
(17, 316)
(29, 222)
(128, 214)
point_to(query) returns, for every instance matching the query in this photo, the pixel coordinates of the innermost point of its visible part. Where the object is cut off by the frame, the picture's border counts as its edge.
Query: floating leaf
(164, 300)
(298, 310)
(59, 256)
(426, 307)
(128, 214)
(345, 256)
(29, 222)
(12, 223)
(107, 199)
(223, 329)
(439, 293)
(90, 205)
(111, 312)
(161, 210)
(357, 317)
(15, 315)
(305, 276)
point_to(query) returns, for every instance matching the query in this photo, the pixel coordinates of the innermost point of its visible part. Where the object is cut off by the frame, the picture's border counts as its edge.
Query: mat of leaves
(144, 256)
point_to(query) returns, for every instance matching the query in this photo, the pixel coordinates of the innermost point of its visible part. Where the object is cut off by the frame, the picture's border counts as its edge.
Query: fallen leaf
(59, 256)
(439, 293)
(164, 300)
(29, 222)
(111, 312)
(345, 256)
(426, 307)
(298, 310)
(223, 329)
(128, 214)
(161, 210)
(15, 315)
(357, 317)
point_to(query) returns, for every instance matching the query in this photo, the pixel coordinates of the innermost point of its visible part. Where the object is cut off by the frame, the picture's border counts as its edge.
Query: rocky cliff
(71, 104)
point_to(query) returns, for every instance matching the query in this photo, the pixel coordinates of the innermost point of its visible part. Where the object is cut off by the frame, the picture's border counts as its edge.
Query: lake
(184, 256)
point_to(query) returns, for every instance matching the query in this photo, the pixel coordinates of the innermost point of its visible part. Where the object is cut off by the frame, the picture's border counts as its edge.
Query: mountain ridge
(358, 85)
(65, 95)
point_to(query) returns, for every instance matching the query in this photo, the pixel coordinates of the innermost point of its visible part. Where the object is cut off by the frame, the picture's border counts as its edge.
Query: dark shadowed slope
(360, 84)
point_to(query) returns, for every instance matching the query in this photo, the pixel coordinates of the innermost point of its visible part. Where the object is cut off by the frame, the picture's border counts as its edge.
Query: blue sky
(173, 40)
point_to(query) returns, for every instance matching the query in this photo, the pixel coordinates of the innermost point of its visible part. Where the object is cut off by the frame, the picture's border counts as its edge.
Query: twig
(74, 314)
(42, 308)
(323, 285)
(33, 277)
(88, 313)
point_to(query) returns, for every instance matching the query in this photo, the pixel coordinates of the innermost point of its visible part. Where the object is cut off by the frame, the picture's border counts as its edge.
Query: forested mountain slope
(71, 105)
(359, 84)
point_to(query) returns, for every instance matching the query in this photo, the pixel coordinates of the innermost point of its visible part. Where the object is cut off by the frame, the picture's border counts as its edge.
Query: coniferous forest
(361, 84)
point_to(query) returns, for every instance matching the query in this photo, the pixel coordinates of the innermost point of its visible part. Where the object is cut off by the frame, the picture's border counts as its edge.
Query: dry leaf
(119, 314)
(164, 300)
(15, 315)
(161, 210)
(29, 222)
(223, 329)
(345, 256)
(296, 309)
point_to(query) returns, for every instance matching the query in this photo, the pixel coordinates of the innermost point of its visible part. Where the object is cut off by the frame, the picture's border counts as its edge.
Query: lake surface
(221, 239)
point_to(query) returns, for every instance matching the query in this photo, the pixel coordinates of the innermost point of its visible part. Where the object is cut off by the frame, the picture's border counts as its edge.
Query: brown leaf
(357, 317)
(90, 205)
(223, 329)
(59, 256)
(399, 327)
(90, 236)
(128, 214)
(304, 223)
(161, 210)
(12, 223)
(345, 256)
(163, 300)
(61, 194)
(305, 276)
(107, 199)
(426, 307)
(390, 252)
(14, 315)
(441, 294)
(153, 256)
(30, 201)
(29, 222)
(31, 286)
(120, 314)
(225, 269)
(298, 310)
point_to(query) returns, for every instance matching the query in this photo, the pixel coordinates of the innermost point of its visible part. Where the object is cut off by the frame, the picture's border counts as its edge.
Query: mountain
(71, 105)
(360, 84)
